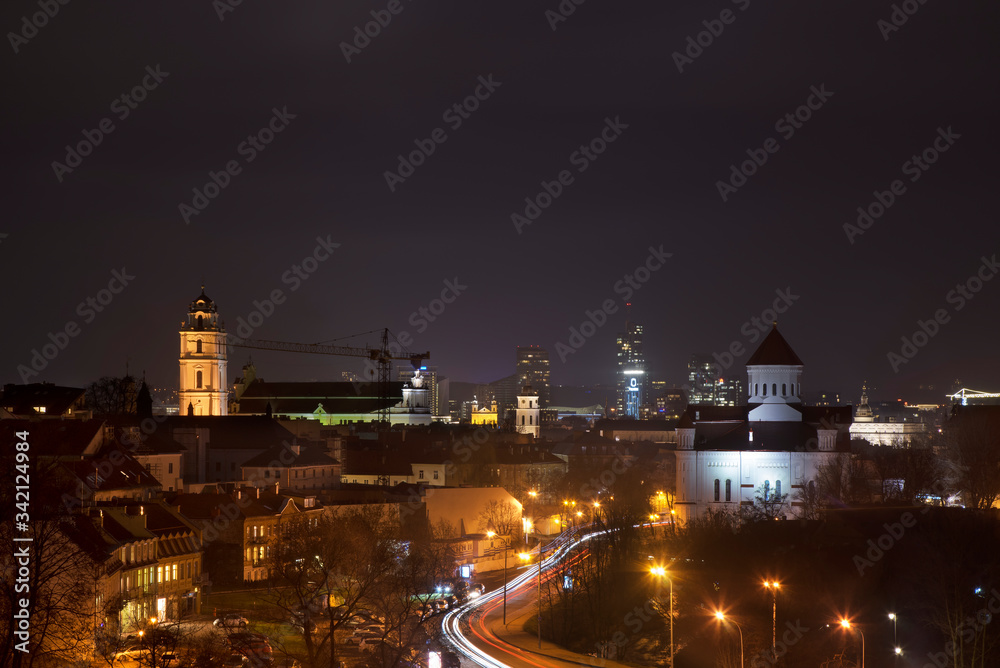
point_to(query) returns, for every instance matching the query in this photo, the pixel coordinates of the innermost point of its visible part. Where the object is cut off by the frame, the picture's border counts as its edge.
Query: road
(477, 630)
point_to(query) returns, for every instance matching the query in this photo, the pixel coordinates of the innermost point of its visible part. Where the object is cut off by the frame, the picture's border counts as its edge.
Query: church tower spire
(204, 386)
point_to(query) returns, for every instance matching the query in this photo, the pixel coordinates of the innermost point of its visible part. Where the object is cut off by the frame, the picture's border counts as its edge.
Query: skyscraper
(533, 369)
(706, 386)
(632, 380)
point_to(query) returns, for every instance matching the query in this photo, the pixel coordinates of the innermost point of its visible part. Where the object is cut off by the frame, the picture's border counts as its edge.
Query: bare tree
(503, 517)
(112, 396)
(973, 442)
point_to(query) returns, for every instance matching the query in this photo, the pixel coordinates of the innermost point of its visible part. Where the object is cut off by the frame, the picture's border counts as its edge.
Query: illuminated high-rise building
(533, 369)
(707, 386)
(633, 379)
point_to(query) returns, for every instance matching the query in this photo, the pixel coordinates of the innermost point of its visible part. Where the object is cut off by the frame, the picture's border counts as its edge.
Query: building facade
(727, 456)
(204, 386)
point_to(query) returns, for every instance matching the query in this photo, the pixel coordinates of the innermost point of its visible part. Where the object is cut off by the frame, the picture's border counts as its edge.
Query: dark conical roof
(202, 303)
(774, 350)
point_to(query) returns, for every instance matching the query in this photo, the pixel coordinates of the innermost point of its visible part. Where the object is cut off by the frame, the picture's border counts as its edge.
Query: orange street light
(774, 586)
(722, 617)
(660, 572)
(846, 623)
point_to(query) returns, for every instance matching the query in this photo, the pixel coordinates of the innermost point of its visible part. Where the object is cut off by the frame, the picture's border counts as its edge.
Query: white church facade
(725, 454)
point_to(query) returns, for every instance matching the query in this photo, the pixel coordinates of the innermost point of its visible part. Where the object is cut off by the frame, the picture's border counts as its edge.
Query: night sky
(886, 94)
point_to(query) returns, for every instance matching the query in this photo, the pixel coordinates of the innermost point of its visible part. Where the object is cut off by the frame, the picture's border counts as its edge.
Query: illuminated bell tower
(528, 412)
(204, 386)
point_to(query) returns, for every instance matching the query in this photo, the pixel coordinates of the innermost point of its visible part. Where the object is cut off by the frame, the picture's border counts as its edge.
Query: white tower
(528, 412)
(774, 372)
(204, 387)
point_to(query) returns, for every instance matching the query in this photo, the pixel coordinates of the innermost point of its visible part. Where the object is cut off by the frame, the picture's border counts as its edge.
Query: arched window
(197, 379)
(197, 346)
(777, 489)
(199, 322)
(765, 389)
(784, 390)
(774, 389)
(729, 490)
(756, 389)
(522, 420)
(812, 488)
(767, 489)
(716, 489)
(531, 420)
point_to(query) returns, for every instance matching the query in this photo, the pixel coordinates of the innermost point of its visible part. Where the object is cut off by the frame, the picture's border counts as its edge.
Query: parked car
(371, 644)
(231, 621)
(358, 636)
(441, 604)
(369, 615)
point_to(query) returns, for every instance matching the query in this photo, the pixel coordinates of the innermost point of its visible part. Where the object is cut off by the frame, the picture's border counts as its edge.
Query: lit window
(39, 409)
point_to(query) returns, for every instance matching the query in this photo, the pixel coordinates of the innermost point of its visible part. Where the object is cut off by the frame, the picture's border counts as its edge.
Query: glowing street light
(774, 586)
(722, 617)
(846, 623)
(491, 534)
(897, 650)
(661, 572)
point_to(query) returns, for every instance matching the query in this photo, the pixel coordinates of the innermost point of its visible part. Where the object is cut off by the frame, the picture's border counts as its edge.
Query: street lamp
(774, 586)
(897, 650)
(721, 617)
(527, 557)
(534, 496)
(491, 534)
(661, 572)
(847, 625)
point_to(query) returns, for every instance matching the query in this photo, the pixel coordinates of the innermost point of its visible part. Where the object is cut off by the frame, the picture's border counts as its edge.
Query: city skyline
(719, 167)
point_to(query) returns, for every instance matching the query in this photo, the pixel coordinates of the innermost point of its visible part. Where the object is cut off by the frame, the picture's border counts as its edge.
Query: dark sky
(655, 185)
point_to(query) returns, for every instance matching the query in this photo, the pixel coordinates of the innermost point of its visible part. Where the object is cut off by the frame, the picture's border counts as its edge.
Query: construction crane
(382, 358)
